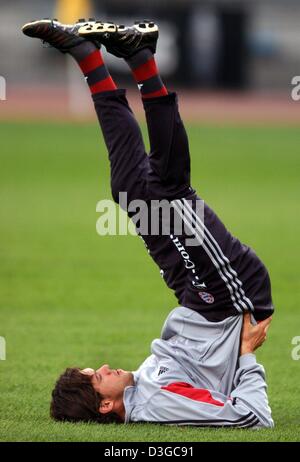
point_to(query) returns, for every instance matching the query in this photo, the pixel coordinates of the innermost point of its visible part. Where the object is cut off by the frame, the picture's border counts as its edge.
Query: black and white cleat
(63, 37)
(122, 41)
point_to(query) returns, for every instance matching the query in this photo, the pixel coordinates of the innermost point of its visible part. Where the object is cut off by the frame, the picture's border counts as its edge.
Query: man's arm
(250, 385)
(182, 404)
(251, 389)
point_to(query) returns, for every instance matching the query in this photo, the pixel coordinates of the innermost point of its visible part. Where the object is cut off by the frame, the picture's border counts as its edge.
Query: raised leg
(169, 175)
(169, 154)
(129, 162)
(128, 159)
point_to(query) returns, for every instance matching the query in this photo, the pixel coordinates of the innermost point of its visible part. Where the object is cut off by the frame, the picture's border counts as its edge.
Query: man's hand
(253, 337)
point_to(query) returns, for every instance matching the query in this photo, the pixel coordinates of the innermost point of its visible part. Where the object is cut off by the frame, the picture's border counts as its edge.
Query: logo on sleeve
(162, 370)
(206, 297)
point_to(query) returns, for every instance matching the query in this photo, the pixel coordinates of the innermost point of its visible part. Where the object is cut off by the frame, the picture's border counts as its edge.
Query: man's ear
(106, 406)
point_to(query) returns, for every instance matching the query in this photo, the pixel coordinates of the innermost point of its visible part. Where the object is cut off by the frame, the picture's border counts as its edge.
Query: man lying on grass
(202, 370)
(196, 375)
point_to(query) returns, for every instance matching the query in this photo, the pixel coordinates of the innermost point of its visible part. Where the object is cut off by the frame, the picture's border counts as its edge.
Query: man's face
(110, 383)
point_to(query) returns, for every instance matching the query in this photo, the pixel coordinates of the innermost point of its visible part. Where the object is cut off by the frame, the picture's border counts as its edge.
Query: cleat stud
(142, 25)
(92, 19)
(81, 20)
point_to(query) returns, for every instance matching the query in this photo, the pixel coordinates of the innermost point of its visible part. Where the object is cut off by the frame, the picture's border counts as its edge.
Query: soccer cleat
(122, 41)
(64, 37)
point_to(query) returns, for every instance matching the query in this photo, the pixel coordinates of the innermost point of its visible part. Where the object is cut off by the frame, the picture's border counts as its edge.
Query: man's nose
(105, 369)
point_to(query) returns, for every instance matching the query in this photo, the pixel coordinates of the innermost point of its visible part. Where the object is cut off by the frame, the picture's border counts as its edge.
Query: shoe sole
(99, 29)
(146, 27)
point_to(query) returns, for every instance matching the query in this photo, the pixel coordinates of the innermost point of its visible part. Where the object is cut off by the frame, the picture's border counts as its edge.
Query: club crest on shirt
(206, 297)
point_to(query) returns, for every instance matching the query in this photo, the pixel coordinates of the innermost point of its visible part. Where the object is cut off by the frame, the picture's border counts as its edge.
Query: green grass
(70, 297)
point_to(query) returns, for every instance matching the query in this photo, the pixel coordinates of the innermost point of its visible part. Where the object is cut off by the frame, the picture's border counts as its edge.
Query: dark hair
(74, 399)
